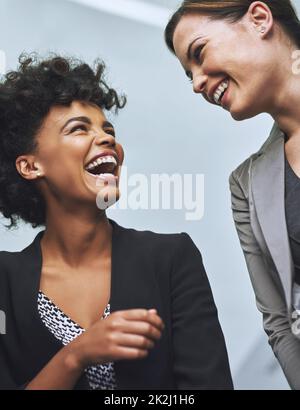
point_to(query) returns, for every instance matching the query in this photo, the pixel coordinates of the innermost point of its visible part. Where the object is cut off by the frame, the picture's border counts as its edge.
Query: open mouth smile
(220, 92)
(104, 167)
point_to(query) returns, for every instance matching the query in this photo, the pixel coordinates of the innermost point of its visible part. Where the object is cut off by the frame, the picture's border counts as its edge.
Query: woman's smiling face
(228, 63)
(77, 155)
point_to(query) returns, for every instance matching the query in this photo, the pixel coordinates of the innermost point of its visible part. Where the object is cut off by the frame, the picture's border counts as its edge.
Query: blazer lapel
(268, 189)
(37, 345)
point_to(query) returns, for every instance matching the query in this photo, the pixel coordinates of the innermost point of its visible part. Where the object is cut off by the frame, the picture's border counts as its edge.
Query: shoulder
(14, 262)
(152, 242)
(8, 258)
(9, 263)
(147, 237)
(173, 259)
(240, 176)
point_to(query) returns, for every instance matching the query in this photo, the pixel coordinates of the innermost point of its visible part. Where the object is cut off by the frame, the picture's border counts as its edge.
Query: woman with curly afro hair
(89, 304)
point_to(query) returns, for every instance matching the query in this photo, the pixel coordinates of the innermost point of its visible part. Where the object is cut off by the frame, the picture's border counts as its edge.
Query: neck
(76, 240)
(286, 101)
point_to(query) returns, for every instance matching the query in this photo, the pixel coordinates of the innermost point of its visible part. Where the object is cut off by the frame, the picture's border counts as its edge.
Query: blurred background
(164, 128)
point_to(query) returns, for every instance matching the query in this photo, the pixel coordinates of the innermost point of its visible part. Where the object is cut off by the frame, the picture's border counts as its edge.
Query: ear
(261, 18)
(28, 168)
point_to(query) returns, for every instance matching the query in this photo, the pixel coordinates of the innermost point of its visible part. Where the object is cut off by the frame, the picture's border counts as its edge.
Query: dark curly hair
(26, 97)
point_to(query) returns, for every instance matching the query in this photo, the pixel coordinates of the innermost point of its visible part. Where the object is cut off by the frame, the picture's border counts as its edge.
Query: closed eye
(197, 57)
(197, 53)
(110, 131)
(81, 127)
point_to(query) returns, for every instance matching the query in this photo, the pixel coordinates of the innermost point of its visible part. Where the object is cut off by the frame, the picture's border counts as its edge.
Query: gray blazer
(258, 204)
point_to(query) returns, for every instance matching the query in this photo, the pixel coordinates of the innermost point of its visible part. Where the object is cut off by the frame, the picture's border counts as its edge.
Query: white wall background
(165, 128)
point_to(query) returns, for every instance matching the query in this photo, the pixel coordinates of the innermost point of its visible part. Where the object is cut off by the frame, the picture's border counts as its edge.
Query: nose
(103, 138)
(199, 83)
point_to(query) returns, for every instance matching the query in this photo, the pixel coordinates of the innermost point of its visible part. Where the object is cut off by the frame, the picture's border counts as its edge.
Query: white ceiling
(171, 4)
(152, 12)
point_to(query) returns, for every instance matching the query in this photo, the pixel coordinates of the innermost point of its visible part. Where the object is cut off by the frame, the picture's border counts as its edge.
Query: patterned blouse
(101, 376)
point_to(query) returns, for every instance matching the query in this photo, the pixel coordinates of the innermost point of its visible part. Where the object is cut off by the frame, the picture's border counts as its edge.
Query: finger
(140, 328)
(134, 314)
(155, 320)
(129, 353)
(133, 340)
(146, 315)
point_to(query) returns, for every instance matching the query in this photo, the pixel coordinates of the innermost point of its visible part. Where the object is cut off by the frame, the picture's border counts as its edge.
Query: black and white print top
(100, 377)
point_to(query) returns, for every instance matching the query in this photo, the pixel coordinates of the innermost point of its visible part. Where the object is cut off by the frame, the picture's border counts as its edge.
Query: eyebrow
(87, 120)
(188, 54)
(108, 124)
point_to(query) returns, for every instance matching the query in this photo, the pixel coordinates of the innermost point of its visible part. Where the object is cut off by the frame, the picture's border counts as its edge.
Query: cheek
(227, 57)
(65, 179)
(245, 103)
(211, 63)
(61, 172)
(62, 166)
(217, 56)
(69, 155)
(120, 153)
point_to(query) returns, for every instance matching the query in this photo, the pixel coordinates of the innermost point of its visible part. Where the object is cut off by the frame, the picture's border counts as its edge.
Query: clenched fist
(124, 335)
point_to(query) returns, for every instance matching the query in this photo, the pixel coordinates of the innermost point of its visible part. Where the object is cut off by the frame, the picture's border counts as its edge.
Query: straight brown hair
(234, 10)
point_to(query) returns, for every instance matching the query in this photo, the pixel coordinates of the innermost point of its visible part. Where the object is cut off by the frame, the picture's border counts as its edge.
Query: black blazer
(148, 271)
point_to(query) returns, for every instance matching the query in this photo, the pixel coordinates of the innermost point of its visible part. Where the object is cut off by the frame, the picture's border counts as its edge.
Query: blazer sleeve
(199, 353)
(269, 298)
(7, 381)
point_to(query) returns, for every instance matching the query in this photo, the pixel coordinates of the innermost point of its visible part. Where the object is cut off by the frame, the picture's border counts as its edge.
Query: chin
(239, 117)
(249, 108)
(242, 114)
(107, 197)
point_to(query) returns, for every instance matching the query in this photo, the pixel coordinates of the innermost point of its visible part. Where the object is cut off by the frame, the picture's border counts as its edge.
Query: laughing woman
(240, 55)
(89, 304)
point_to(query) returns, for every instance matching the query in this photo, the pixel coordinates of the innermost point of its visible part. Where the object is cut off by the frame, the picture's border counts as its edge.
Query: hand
(124, 335)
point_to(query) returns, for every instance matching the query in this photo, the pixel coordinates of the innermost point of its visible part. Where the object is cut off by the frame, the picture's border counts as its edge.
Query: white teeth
(101, 160)
(222, 87)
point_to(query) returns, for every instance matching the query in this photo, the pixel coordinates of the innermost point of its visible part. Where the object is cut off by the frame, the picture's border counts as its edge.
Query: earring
(263, 30)
(38, 174)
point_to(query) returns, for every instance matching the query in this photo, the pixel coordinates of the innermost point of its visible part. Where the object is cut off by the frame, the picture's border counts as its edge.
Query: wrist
(73, 358)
